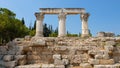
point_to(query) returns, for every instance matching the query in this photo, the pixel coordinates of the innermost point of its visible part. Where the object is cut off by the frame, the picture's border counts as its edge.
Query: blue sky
(104, 14)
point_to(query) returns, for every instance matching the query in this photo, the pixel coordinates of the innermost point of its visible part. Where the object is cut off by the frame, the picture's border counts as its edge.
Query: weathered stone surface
(64, 56)
(93, 61)
(104, 51)
(8, 58)
(38, 42)
(58, 62)
(59, 66)
(106, 56)
(65, 61)
(106, 62)
(98, 57)
(21, 59)
(10, 64)
(110, 43)
(30, 66)
(92, 52)
(101, 34)
(57, 56)
(86, 65)
(3, 50)
(107, 66)
(27, 38)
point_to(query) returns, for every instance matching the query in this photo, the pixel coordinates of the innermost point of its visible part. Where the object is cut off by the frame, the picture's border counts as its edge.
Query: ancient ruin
(61, 51)
(62, 12)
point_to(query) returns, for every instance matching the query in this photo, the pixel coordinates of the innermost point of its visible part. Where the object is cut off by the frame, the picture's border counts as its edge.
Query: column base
(85, 35)
(39, 34)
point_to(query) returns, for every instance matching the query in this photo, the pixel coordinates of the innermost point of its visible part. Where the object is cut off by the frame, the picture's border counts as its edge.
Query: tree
(46, 30)
(23, 22)
(10, 26)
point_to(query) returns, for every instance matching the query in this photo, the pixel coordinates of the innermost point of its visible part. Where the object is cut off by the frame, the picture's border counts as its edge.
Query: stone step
(41, 66)
(107, 66)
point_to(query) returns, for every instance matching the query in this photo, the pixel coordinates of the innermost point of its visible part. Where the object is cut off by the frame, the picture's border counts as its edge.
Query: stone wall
(61, 52)
(105, 34)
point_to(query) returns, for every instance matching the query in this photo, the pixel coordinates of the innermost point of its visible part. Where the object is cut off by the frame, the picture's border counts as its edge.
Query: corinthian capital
(62, 15)
(85, 16)
(39, 16)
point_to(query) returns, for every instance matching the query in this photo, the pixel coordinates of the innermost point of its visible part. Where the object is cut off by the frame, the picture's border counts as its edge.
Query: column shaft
(39, 24)
(85, 30)
(62, 25)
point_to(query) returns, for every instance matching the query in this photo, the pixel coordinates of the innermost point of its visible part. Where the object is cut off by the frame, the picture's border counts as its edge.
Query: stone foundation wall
(65, 52)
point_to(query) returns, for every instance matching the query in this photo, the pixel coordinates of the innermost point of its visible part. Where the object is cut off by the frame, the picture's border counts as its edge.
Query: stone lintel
(59, 10)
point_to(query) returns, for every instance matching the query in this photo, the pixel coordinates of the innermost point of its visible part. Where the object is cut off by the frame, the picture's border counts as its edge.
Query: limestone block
(110, 43)
(110, 66)
(10, 64)
(50, 43)
(57, 56)
(93, 61)
(93, 52)
(27, 38)
(64, 56)
(58, 62)
(98, 56)
(99, 66)
(102, 52)
(107, 66)
(29, 66)
(76, 59)
(106, 62)
(85, 65)
(65, 61)
(101, 34)
(18, 40)
(109, 47)
(19, 50)
(11, 44)
(11, 52)
(51, 65)
(45, 66)
(62, 43)
(116, 59)
(38, 42)
(3, 48)
(59, 66)
(85, 60)
(106, 56)
(117, 65)
(21, 59)
(8, 58)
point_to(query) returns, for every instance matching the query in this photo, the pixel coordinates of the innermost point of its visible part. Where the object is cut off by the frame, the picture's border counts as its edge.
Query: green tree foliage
(10, 27)
(32, 29)
(71, 35)
(54, 33)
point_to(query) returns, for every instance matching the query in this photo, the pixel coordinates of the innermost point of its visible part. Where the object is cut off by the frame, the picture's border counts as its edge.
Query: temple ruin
(62, 13)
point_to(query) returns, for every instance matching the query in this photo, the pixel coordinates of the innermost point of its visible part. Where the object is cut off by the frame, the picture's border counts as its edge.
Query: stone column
(62, 26)
(85, 30)
(39, 24)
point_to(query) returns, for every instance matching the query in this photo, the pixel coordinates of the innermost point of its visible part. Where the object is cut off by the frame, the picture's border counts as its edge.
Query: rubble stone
(8, 58)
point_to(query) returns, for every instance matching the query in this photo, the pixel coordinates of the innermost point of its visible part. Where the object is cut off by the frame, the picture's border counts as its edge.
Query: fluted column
(85, 30)
(62, 25)
(39, 24)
